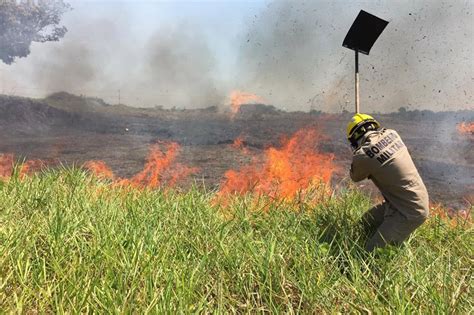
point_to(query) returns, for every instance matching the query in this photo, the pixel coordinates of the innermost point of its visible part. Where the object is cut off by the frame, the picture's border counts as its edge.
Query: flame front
(7, 162)
(239, 98)
(284, 173)
(239, 144)
(466, 128)
(451, 216)
(6, 165)
(99, 169)
(160, 170)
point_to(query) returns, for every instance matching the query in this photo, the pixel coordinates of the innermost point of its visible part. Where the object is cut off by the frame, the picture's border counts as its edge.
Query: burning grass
(160, 170)
(28, 167)
(282, 174)
(239, 144)
(70, 242)
(239, 98)
(466, 128)
(451, 216)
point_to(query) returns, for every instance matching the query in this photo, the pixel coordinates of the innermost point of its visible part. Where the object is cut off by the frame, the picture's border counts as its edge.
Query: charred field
(68, 129)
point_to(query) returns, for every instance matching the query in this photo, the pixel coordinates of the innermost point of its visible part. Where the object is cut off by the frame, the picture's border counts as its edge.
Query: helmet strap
(360, 132)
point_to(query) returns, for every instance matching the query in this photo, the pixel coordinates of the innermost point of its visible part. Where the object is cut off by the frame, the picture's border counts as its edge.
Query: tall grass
(70, 243)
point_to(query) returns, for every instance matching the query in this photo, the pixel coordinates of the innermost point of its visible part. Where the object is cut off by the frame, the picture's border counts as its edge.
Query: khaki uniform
(383, 158)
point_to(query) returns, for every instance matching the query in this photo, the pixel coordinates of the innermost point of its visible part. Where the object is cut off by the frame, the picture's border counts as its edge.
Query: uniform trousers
(390, 226)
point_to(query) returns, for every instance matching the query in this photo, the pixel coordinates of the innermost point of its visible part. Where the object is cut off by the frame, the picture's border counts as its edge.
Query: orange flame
(7, 162)
(238, 144)
(159, 170)
(6, 165)
(450, 216)
(284, 173)
(99, 169)
(239, 98)
(31, 166)
(466, 128)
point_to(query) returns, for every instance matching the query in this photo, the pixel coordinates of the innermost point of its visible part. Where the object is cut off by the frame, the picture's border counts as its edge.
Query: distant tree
(24, 22)
(315, 112)
(402, 110)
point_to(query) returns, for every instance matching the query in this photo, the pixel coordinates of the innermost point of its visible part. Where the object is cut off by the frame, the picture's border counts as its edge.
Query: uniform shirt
(383, 158)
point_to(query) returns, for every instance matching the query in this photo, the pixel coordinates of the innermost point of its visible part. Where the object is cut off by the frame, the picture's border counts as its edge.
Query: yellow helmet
(357, 121)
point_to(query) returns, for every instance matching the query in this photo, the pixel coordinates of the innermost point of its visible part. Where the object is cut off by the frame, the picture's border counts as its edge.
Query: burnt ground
(71, 130)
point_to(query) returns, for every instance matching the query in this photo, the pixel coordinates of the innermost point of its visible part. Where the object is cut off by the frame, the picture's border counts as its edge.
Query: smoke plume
(294, 56)
(179, 68)
(290, 53)
(169, 66)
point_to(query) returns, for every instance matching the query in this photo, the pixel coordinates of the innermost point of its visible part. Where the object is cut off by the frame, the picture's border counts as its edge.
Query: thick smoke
(179, 68)
(68, 67)
(170, 66)
(294, 56)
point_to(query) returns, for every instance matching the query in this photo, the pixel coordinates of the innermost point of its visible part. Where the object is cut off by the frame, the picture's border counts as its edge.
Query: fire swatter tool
(361, 37)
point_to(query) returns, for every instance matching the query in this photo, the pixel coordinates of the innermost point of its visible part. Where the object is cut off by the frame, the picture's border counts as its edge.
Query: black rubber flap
(364, 32)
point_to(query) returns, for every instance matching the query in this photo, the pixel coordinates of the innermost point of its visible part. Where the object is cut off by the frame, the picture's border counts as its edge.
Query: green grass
(70, 243)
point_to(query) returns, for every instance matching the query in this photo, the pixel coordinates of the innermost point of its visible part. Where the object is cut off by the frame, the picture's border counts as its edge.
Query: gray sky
(194, 53)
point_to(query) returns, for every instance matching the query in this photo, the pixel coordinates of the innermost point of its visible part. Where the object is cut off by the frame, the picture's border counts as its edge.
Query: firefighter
(380, 155)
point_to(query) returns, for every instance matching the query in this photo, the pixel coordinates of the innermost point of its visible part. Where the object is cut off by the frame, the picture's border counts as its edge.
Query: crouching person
(380, 155)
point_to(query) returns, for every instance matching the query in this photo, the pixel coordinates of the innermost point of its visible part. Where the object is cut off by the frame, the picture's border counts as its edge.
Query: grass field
(70, 243)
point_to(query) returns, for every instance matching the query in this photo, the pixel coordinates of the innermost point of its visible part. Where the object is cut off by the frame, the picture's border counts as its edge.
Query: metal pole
(357, 107)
